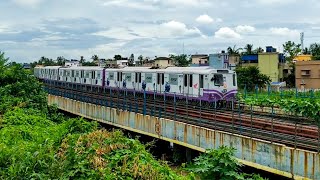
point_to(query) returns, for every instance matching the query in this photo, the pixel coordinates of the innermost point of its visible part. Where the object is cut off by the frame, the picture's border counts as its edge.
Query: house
(270, 63)
(307, 74)
(234, 60)
(303, 57)
(26, 66)
(199, 60)
(163, 62)
(72, 62)
(219, 60)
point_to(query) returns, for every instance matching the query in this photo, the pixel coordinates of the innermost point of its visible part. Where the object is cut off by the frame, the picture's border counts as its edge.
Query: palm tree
(248, 48)
(95, 58)
(258, 50)
(234, 50)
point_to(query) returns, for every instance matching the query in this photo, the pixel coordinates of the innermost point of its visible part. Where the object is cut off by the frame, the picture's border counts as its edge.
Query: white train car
(82, 75)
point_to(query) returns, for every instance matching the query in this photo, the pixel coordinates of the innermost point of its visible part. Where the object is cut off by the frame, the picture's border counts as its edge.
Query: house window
(305, 72)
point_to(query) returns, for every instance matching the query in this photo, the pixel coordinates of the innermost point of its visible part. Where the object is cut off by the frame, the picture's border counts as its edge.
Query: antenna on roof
(302, 39)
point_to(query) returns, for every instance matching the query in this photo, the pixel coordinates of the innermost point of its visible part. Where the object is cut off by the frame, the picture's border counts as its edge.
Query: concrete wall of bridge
(272, 157)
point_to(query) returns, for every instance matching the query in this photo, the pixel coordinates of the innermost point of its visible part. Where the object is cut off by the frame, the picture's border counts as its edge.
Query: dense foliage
(306, 107)
(219, 164)
(36, 142)
(181, 60)
(250, 77)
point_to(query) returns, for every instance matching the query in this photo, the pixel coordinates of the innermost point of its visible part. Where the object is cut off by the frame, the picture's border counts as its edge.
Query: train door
(188, 84)
(137, 81)
(201, 84)
(160, 82)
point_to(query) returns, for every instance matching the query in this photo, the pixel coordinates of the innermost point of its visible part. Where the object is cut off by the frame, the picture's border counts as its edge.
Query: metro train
(196, 83)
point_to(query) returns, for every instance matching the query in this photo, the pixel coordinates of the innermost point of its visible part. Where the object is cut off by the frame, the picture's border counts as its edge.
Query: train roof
(182, 70)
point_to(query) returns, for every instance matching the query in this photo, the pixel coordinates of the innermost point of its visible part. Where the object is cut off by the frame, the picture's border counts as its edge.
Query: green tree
(140, 58)
(250, 77)
(249, 49)
(117, 57)
(315, 51)
(219, 164)
(61, 60)
(95, 58)
(258, 50)
(291, 50)
(131, 60)
(180, 60)
(234, 50)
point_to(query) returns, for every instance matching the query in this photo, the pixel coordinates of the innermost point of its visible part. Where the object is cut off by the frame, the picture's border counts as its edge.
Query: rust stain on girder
(310, 160)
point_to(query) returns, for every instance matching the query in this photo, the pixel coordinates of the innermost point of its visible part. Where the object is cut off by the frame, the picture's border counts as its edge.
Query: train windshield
(218, 79)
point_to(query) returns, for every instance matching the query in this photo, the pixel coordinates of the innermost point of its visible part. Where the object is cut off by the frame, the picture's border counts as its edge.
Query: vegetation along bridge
(266, 141)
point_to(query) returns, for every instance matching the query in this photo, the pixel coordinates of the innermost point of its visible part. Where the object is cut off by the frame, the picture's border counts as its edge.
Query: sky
(30, 29)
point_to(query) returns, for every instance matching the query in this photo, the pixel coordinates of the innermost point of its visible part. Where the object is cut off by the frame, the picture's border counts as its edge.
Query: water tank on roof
(270, 49)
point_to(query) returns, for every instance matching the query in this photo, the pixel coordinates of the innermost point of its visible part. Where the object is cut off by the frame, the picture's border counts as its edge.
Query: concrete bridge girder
(272, 157)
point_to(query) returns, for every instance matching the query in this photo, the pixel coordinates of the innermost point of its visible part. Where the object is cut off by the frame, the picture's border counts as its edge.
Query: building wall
(234, 60)
(269, 65)
(218, 61)
(162, 63)
(197, 59)
(303, 57)
(310, 80)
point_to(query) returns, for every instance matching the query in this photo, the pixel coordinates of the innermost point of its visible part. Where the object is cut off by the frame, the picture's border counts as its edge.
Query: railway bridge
(265, 141)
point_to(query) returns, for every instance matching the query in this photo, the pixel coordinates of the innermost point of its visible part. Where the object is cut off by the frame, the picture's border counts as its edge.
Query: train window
(82, 74)
(136, 77)
(120, 76)
(75, 79)
(185, 80)
(162, 78)
(218, 79)
(85, 80)
(234, 80)
(96, 81)
(201, 81)
(190, 80)
(128, 76)
(148, 78)
(77, 73)
(139, 77)
(111, 76)
(173, 79)
(98, 75)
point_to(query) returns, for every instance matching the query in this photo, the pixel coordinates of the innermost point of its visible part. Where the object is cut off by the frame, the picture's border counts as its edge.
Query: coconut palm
(248, 49)
(233, 50)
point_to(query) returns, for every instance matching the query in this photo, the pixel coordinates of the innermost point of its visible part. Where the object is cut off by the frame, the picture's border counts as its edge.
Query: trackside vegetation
(38, 142)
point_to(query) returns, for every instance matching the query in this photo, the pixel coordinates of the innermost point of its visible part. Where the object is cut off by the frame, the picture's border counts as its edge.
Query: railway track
(237, 121)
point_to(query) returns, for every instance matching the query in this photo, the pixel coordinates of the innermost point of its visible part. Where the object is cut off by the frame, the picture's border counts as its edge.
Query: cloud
(284, 31)
(178, 28)
(227, 33)
(28, 3)
(276, 2)
(129, 4)
(245, 29)
(206, 19)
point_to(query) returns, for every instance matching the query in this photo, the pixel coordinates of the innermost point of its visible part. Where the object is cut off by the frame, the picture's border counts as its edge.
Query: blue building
(219, 60)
